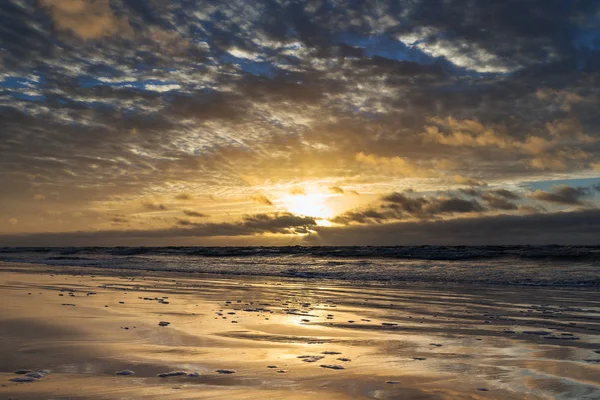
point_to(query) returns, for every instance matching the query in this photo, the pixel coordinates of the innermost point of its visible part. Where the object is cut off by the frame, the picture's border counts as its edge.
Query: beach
(88, 333)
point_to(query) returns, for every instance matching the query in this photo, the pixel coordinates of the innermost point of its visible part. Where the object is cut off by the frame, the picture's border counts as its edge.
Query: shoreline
(413, 340)
(382, 282)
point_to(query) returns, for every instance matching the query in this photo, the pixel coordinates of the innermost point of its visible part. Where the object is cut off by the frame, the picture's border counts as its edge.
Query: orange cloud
(88, 19)
(468, 133)
(397, 165)
(461, 180)
(298, 191)
(553, 152)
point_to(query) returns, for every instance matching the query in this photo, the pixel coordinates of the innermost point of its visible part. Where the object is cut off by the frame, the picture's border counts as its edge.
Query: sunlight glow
(308, 205)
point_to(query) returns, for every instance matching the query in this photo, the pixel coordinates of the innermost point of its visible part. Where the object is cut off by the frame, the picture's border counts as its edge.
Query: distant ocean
(503, 265)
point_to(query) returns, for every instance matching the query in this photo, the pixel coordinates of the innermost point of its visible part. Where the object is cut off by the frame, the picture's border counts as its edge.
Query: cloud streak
(563, 194)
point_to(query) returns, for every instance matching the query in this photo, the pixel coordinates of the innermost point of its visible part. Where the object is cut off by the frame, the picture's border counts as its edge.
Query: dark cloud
(184, 196)
(563, 194)
(399, 206)
(362, 216)
(495, 199)
(336, 190)
(151, 206)
(262, 199)
(470, 192)
(279, 223)
(184, 222)
(455, 205)
(507, 194)
(498, 202)
(575, 228)
(430, 206)
(461, 180)
(257, 224)
(191, 213)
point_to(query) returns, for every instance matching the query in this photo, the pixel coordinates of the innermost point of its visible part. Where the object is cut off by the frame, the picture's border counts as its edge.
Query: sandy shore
(247, 338)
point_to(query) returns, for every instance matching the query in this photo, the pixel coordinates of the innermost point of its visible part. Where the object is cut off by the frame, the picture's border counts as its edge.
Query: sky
(291, 122)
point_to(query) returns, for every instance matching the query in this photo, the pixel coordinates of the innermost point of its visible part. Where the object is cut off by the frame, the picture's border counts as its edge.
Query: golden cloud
(462, 180)
(262, 199)
(396, 165)
(467, 133)
(88, 19)
(554, 152)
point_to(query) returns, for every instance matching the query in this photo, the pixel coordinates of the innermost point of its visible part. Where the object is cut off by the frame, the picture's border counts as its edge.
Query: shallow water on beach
(409, 341)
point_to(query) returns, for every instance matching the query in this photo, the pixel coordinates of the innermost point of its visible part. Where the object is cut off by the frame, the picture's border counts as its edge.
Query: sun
(308, 205)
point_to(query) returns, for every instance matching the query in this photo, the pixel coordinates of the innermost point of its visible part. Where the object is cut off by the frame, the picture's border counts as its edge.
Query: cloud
(469, 133)
(88, 19)
(362, 216)
(400, 206)
(191, 213)
(570, 228)
(561, 98)
(444, 205)
(336, 190)
(256, 224)
(559, 160)
(506, 193)
(496, 199)
(298, 191)
(498, 202)
(470, 192)
(184, 222)
(262, 199)
(574, 228)
(563, 194)
(461, 180)
(554, 149)
(39, 197)
(396, 164)
(279, 223)
(184, 196)
(152, 206)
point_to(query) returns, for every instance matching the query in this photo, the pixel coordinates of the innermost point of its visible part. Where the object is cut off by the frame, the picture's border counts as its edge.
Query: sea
(553, 265)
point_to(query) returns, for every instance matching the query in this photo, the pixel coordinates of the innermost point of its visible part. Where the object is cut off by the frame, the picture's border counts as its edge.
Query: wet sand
(96, 334)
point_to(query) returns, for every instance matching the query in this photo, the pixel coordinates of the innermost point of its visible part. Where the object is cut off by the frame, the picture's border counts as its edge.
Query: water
(506, 265)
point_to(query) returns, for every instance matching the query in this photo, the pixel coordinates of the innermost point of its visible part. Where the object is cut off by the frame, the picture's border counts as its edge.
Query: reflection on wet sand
(184, 336)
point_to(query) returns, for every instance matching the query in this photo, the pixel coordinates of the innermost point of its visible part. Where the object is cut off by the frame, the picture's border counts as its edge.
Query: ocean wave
(591, 253)
(502, 265)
